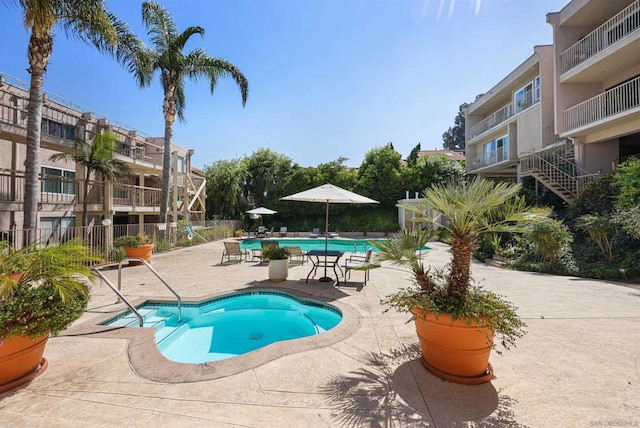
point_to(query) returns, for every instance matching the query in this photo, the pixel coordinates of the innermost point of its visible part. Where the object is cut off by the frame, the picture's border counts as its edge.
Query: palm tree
(467, 211)
(174, 66)
(87, 20)
(95, 158)
(471, 209)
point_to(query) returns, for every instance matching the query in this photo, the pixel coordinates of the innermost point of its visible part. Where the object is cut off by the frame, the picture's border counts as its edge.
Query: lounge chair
(283, 231)
(297, 253)
(262, 231)
(232, 250)
(334, 235)
(315, 233)
(357, 262)
(269, 233)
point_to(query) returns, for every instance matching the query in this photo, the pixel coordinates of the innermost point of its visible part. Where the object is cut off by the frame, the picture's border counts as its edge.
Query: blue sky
(328, 78)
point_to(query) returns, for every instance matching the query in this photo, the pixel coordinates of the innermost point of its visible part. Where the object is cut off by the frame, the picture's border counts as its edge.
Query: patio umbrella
(260, 211)
(329, 194)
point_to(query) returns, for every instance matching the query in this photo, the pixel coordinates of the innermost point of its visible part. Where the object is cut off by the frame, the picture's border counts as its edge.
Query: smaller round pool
(231, 325)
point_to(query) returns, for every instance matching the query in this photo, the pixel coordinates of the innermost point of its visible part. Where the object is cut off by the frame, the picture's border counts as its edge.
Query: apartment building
(572, 109)
(135, 200)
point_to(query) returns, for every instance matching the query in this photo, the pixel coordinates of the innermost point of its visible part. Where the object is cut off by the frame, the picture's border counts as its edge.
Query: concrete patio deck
(578, 366)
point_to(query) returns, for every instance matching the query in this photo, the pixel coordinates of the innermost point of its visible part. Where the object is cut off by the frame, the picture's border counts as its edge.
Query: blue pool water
(231, 325)
(306, 244)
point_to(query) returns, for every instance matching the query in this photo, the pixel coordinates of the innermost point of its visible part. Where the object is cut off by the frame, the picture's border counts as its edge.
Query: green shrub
(627, 181)
(116, 254)
(546, 248)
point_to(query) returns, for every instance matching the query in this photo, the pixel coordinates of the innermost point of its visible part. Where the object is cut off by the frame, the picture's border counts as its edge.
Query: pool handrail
(144, 262)
(120, 296)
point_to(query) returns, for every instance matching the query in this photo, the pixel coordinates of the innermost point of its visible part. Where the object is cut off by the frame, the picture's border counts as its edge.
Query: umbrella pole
(325, 278)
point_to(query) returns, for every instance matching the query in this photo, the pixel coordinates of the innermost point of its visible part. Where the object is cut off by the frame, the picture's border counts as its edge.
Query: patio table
(325, 259)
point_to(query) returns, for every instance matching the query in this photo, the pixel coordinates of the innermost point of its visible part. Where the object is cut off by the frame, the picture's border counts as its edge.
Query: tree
(96, 158)
(266, 170)
(225, 180)
(413, 156)
(174, 66)
(87, 20)
(472, 209)
(379, 175)
(454, 138)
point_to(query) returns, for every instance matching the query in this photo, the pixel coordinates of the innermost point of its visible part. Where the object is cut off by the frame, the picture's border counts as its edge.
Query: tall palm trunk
(462, 249)
(169, 110)
(39, 52)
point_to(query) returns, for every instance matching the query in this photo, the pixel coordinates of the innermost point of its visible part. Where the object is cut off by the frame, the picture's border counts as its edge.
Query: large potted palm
(455, 320)
(42, 291)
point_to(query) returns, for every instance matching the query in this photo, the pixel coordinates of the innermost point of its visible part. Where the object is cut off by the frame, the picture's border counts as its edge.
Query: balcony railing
(136, 196)
(489, 158)
(621, 25)
(53, 189)
(491, 121)
(609, 103)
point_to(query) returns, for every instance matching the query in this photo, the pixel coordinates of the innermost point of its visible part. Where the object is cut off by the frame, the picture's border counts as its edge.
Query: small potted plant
(136, 246)
(456, 321)
(42, 291)
(278, 262)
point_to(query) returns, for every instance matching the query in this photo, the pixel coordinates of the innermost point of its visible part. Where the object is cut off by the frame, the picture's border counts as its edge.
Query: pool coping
(147, 361)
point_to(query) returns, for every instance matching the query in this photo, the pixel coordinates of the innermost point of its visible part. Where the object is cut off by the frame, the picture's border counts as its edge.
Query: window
(56, 180)
(489, 151)
(180, 164)
(526, 96)
(57, 129)
(502, 147)
(496, 151)
(56, 229)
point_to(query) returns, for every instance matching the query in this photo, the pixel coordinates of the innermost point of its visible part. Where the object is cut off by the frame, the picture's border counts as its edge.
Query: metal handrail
(126, 259)
(120, 296)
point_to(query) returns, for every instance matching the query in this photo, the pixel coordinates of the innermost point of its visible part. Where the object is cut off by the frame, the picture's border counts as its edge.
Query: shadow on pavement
(394, 389)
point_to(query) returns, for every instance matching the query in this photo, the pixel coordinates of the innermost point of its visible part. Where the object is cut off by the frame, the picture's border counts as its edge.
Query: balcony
(610, 103)
(615, 29)
(141, 152)
(491, 121)
(53, 189)
(136, 196)
(489, 158)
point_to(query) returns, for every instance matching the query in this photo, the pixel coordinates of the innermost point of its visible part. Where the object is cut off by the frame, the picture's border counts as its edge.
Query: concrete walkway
(578, 366)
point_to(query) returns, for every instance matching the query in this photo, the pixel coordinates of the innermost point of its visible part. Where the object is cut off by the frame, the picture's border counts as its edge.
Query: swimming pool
(230, 325)
(306, 244)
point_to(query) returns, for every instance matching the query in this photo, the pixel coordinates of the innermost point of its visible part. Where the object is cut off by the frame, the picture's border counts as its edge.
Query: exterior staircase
(556, 170)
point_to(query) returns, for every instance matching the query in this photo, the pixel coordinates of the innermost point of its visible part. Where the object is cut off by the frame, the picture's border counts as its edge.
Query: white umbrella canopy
(261, 211)
(329, 194)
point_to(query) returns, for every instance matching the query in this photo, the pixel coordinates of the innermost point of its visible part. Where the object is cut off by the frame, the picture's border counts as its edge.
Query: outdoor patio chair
(262, 231)
(315, 233)
(297, 254)
(232, 250)
(358, 262)
(269, 233)
(283, 231)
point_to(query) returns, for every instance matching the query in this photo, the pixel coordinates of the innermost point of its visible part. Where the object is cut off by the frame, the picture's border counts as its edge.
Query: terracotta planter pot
(143, 251)
(278, 269)
(454, 350)
(21, 360)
